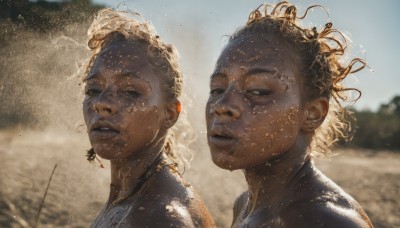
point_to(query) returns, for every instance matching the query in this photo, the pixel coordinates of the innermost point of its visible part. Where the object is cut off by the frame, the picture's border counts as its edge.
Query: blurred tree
(46, 16)
(379, 130)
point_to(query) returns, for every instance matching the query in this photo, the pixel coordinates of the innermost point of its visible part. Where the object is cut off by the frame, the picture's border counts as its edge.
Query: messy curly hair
(323, 60)
(111, 25)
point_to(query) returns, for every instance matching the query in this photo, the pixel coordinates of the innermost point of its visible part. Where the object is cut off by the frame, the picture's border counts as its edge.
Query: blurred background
(43, 49)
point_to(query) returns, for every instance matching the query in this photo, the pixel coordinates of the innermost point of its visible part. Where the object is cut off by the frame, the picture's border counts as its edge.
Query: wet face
(123, 107)
(254, 111)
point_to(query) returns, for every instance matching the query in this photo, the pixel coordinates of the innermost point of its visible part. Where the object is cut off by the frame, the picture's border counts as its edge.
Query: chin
(225, 162)
(104, 155)
(105, 152)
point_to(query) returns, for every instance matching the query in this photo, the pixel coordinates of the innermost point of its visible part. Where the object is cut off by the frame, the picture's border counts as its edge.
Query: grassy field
(79, 189)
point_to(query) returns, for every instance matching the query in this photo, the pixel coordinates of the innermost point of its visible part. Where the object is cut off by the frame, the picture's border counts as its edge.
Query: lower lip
(221, 142)
(103, 134)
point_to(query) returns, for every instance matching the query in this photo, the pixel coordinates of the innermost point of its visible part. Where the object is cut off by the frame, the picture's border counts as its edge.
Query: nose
(227, 110)
(104, 105)
(227, 106)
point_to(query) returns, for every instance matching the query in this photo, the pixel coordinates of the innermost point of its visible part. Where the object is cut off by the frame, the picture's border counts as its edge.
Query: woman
(273, 106)
(132, 87)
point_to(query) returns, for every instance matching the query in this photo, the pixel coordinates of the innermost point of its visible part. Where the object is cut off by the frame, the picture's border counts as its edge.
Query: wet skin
(127, 119)
(259, 121)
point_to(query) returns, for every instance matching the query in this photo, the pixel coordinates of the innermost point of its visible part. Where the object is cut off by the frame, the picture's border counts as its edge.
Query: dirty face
(123, 107)
(254, 111)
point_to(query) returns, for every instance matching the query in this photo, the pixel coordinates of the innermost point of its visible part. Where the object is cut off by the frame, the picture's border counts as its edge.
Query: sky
(198, 29)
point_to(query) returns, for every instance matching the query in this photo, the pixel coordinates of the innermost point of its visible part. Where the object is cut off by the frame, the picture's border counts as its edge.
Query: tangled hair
(323, 56)
(111, 25)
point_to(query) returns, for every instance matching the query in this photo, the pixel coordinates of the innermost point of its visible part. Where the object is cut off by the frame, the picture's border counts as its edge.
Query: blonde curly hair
(110, 25)
(323, 56)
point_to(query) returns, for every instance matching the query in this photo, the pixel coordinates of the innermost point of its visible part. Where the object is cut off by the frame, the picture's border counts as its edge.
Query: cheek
(142, 122)
(136, 107)
(207, 112)
(288, 128)
(275, 127)
(86, 110)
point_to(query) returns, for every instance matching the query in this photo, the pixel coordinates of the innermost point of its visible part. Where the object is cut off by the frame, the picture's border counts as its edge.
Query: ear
(173, 110)
(315, 113)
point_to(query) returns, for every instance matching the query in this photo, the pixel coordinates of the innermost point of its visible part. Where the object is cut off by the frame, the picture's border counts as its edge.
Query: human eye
(259, 92)
(216, 91)
(218, 85)
(132, 93)
(92, 91)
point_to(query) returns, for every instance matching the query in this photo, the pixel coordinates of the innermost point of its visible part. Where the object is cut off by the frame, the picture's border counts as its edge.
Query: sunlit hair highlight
(111, 25)
(323, 59)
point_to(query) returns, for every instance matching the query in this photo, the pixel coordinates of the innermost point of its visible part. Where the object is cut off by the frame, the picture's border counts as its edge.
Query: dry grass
(79, 189)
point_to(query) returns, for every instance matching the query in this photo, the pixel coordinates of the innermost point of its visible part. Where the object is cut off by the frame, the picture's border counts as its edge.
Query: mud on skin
(128, 116)
(258, 120)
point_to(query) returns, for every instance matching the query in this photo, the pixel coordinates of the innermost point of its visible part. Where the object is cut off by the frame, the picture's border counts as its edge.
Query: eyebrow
(256, 71)
(250, 72)
(130, 74)
(89, 76)
(218, 74)
(124, 74)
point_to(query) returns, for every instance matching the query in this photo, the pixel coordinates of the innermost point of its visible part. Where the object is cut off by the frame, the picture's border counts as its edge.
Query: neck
(268, 183)
(128, 174)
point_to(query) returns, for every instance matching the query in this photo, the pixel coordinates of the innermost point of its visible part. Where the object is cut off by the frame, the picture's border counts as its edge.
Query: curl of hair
(111, 25)
(323, 60)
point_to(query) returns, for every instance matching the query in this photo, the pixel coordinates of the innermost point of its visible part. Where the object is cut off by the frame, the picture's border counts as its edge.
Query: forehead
(259, 50)
(124, 48)
(122, 57)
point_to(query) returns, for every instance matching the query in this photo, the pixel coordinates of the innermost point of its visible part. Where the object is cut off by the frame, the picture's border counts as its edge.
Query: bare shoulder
(324, 205)
(240, 202)
(323, 215)
(162, 214)
(171, 202)
(239, 205)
